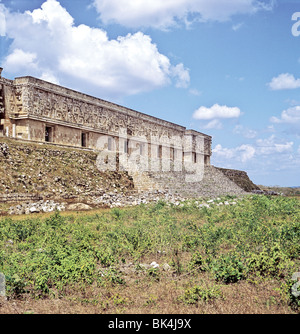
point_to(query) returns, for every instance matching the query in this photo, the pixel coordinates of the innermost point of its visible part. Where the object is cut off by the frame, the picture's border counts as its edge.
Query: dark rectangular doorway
(49, 134)
(83, 139)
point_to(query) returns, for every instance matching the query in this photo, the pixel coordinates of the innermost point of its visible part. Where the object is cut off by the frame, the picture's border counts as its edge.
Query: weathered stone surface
(38, 110)
(4, 150)
(240, 178)
(213, 183)
(41, 172)
(41, 206)
(126, 153)
(115, 200)
(2, 285)
(266, 192)
(78, 207)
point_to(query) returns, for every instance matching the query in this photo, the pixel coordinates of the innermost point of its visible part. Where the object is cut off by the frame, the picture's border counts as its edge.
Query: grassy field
(222, 259)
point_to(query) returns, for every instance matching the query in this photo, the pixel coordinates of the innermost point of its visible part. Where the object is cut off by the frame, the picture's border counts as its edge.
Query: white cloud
(284, 81)
(263, 158)
(2, 20)
(273, 145)
(50, 77)
(226, 153)
(266, 151)
(246, 152)
(216, 111)
(195, 92)
(19, 60)
(241, 153)
(237, 27)
(214, 124)
(167, 13)
(290, 115)
(123, 66)
(54, 14)
(182, 74)
(245, 132)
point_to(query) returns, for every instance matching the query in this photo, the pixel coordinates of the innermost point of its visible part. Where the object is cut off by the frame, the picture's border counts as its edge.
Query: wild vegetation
(287, 191)
(221, 259)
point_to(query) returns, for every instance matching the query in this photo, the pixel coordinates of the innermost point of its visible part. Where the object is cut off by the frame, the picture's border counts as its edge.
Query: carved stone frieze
(40, 101)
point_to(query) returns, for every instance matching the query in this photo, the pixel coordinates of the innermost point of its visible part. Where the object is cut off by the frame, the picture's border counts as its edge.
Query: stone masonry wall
(31, 172)
(143, 152)
(32, 104)
(239, 177)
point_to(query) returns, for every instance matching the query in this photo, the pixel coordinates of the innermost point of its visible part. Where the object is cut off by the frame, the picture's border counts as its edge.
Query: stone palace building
(156, 154)
(36, 110)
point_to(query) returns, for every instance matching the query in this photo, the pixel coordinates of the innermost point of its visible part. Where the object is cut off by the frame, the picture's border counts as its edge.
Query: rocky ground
(35, 177)
(113, 200)
(50, 172)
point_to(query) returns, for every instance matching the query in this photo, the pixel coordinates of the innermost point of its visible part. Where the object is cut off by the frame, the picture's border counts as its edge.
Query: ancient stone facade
(36, 110)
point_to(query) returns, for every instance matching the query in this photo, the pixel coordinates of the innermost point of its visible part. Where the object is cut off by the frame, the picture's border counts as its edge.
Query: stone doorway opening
(48, 134)
(83, 139)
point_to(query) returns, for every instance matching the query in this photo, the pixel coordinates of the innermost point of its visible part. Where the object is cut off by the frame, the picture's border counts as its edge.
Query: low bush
(229, 268)
(199, 293)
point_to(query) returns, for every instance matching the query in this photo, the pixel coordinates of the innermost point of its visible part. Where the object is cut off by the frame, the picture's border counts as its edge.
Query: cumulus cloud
(284, 81)
(273, 145)
(182, 75)
(50, 77)
(241, 153)
(21, 60)
(268, 150)
(216, 111)
(165, 14)
(61, 52)
(290, 115)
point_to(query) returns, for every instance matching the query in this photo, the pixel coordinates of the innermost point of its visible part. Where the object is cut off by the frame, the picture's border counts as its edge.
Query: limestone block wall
(36, 130)
(7, 106)
(41, 111)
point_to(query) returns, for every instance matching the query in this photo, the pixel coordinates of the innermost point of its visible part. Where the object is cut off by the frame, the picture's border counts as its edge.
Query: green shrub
(197, 293)
(289, 238)
(270, 262)
(17, 230)
(197, 262)
(191, 241)
(111, 276)
(158, 206)
(154, 274)
(116, 213)
(56, 220)
(258, 236)
(15, 284)
(229, 268)
(105, 256)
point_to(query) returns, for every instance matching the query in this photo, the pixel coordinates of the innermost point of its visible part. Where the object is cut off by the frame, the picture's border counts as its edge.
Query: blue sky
(228, 68)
